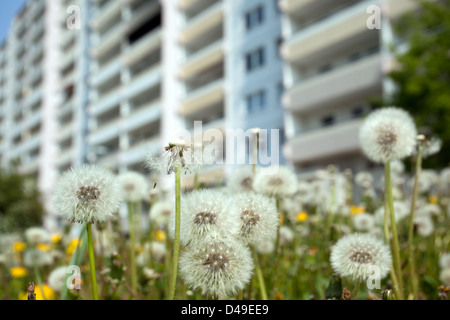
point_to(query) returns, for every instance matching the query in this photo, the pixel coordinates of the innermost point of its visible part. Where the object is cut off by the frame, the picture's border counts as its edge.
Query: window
(327, 121)
(255, 59)
(254, 17)
(256, 101)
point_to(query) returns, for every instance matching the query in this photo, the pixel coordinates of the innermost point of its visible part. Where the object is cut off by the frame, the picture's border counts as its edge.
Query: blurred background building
(111, 81)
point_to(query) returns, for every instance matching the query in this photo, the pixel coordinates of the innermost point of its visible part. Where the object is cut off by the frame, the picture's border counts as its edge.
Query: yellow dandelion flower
(302, 216)
(19, 246)
(56, 238)
(160, 236)
(357, 210)
(48, 292)
(281, 219)
(72, 246)
(433, 199)
(18, 272)
(43, 247)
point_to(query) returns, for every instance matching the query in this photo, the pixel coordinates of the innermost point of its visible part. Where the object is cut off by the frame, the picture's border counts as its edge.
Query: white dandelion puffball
(133, 186)
(278, 181)
(364, 179)
(37, 257)
(363, 222)
(259, 217)
(206, 214)
(444, 261)
(286, 235)
(358, 256)
(401, 210)
(87, 194)
(424, 225)
(265, 246)
(219, 268)
(388, 134)
(444, 276)
(241, 179)
(36, 235)
(57, 278)
(160, 212)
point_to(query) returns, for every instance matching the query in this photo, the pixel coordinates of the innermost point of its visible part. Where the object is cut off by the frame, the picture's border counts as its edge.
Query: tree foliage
(20, 204)
(423, 76)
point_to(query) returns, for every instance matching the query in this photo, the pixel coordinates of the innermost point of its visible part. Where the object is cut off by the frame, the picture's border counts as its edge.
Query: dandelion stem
(176, 246)
(38, 275)
(131, 214)
(262, 286)
(395, 245)
(92, 262)
(414, 279)
(277, 252)
(388, 241)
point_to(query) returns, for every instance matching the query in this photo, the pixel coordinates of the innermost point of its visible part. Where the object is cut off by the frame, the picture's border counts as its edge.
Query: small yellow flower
(281, 219)
(302, 216)
(43, 247)
(72, 246)
(160, 236)
(357, 210)
(434, 199)
(48, 292)
(56, 238)
(18, 272)
(19, 246)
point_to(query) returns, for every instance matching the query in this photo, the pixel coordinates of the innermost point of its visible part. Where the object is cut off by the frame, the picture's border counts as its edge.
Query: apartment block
(336, 57)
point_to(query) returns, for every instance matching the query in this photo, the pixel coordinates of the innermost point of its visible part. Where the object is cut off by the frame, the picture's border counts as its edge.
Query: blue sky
(8, 9)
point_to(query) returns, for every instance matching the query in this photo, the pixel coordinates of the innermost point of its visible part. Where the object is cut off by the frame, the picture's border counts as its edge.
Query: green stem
(412, 265)
(277, 253)
(92, 262)
(395, 245)
(262, 286)
(38, 275)
(131, 213)
(176, 246)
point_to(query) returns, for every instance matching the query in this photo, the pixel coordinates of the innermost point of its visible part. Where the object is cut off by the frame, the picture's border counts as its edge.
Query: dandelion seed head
(444, 276)
(241, 179)
(87, 194)
(444, 261)
(37, 257)
(388, 134)
(206, 214)
(424, 225)
(37, 235)
(286, 235)
(218, 268)
(258, 217)
(56, 278)
(161, 211)
(363, 222)
(278, 183)
(133, 186)
(355, 255)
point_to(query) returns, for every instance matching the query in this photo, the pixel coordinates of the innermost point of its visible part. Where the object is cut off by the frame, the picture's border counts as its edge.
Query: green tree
(423, 76)
(20, 205)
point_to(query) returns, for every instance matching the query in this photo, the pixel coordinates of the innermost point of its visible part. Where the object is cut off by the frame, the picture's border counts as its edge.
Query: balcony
(395, 8)
(324, 143)
(140, 150)
(145, 114)
(106, 72)
(320, 40)
(136, 51)
(65, 157)
(201, 23)
(103, 15)
(108, 40)
(205, 58)
(352, 80)
(105, 132)
(204, 97)
(148, 79)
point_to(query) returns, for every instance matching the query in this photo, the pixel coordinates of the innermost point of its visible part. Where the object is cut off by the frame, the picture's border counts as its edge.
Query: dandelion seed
(133, 186)
(354, 256)
(388, 134)
(87, 194)
(217, 268)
